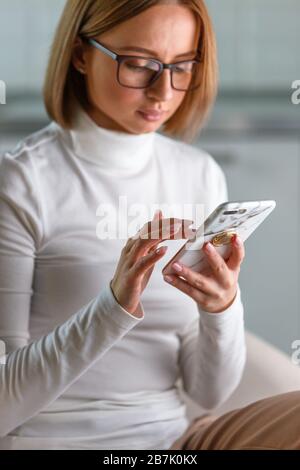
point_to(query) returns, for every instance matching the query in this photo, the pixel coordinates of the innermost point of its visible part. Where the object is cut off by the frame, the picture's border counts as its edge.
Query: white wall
(26, 30)
(267, 167)
(257, 41)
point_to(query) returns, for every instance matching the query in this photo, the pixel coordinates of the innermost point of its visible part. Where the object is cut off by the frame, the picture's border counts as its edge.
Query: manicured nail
(168, 278)
(161, 249)
(177, 267)
(208, 247)
(237, 240)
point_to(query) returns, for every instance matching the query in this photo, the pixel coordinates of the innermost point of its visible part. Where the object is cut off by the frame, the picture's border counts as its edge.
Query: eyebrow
(148, 51)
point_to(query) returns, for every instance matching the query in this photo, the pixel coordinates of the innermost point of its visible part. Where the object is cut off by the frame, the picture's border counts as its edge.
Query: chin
(149, 129)
(140, 126)
(140, 129)
(149, 126)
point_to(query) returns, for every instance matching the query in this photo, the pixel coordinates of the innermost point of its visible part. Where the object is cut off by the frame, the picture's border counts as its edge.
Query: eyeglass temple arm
(103, 49)
(115, 56)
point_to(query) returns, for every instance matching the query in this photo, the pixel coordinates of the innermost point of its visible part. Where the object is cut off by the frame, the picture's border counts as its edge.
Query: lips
(152, 113)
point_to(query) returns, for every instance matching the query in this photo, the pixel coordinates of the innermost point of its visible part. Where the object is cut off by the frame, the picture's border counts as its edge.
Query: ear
(79, 56)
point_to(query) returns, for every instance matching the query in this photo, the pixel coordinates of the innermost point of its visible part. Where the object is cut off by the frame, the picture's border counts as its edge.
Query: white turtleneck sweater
(81, 372)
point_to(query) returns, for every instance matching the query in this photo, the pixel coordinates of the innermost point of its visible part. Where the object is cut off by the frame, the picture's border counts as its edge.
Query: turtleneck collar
(109, 148)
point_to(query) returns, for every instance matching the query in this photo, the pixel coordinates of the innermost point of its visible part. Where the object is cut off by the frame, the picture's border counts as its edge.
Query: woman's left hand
(216, 290)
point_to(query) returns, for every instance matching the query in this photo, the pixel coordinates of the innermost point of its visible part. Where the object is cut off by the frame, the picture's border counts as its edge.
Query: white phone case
(240, 217)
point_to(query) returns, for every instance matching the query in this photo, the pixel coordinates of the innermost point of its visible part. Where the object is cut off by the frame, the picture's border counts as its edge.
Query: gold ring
(223, 238)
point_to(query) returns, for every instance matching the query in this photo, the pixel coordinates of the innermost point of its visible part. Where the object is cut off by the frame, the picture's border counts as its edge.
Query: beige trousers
(272, 423)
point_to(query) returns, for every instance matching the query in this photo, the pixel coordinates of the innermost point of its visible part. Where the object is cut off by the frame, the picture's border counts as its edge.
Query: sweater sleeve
(213, 349)
(33, 374)
(212, 355)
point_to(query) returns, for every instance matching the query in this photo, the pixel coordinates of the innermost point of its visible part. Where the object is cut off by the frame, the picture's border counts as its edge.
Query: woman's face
(169, 31)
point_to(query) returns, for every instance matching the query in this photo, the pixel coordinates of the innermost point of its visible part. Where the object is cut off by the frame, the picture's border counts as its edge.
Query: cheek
(175, 103)
(105, 90)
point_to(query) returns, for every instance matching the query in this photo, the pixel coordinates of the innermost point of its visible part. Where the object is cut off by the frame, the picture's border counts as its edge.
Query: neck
(114, 150)
(104, 121)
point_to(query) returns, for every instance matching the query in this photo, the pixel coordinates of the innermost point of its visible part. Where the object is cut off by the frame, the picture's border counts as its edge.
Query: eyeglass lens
(138, 73)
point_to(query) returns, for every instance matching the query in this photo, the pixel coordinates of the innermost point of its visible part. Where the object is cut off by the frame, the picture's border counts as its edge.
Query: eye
(135, 67)
(140, 64)
(178, 70)
(184, 67)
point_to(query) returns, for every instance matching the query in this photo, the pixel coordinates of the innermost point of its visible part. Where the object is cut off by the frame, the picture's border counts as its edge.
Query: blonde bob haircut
(90, 18)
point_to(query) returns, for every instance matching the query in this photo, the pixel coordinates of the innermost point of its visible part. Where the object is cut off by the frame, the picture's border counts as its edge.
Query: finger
(156, 218)
(149, 270)
(142, 246)
(131, 240)
(184, 232)
(140, 249)
(237, 254)
(185, 287)
(217, 263)
(144, 263)
(158, 214)
(134, 244)
(166, 229)
(176, 231)
(162, 228)
(206, 285)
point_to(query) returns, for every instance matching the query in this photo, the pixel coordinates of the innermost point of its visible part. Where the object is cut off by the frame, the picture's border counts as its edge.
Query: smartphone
(229, 218)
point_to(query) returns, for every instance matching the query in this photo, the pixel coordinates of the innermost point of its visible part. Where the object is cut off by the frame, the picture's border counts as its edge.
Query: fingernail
(237, 240)
(177, 267)
(168, 278)
(208, 246)
(160, 249)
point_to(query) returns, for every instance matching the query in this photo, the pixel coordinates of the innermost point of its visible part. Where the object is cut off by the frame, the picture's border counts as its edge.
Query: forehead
(165, 29)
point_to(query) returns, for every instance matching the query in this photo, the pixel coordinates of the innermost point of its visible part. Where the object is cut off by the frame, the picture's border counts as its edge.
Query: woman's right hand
(138, 258)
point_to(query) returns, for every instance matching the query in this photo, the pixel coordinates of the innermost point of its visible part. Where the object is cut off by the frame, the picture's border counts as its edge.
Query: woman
(96, 339)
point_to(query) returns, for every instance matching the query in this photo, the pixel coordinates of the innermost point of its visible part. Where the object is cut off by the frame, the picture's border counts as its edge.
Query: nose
(162, 89)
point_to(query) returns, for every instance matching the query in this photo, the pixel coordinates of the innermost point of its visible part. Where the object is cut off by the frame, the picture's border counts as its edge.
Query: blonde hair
(89, 18)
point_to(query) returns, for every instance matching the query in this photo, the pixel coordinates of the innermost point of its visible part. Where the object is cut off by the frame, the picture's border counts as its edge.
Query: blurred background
(253, 132)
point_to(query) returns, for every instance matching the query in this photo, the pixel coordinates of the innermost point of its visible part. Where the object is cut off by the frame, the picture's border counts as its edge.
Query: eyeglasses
(141, 72)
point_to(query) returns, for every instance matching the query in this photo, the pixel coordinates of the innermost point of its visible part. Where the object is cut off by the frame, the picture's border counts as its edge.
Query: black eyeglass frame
(120, 58)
